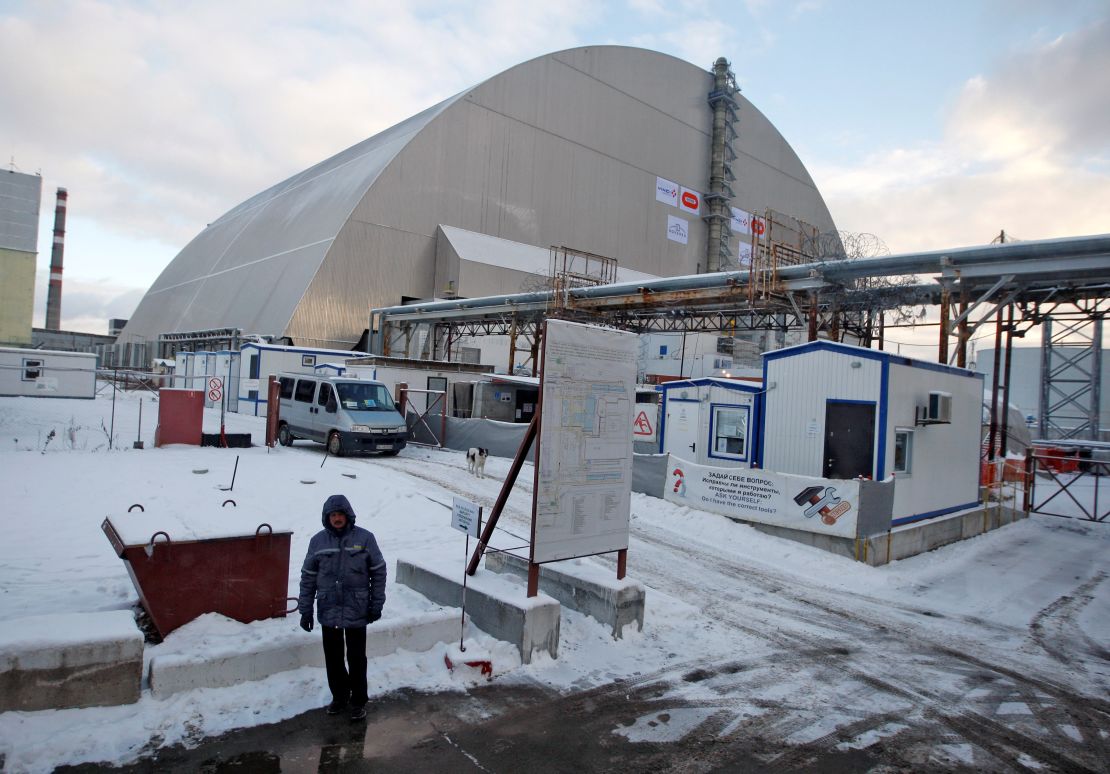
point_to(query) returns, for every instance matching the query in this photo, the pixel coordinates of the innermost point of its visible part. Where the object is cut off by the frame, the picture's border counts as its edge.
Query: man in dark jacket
(344, 571)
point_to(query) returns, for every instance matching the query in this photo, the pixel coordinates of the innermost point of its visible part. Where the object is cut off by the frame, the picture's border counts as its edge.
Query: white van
(348, 415)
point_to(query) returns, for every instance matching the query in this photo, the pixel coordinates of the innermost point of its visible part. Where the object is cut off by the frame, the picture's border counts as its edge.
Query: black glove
(306, 622)
(375, 616)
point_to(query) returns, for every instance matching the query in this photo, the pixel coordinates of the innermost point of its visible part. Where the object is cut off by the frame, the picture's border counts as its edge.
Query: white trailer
(258, 362)
(838, 411)
(710, 421)
(45, 373)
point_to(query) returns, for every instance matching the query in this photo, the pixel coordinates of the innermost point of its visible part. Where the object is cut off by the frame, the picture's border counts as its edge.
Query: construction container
(184, 566)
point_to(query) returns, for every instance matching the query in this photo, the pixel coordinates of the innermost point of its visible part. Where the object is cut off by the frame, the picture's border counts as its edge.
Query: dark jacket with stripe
(344, 571)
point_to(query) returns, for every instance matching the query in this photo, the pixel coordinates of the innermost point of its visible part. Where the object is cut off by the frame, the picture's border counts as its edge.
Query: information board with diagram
(584, 454)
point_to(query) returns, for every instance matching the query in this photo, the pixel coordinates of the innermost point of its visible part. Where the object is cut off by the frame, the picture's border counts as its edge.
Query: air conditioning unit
(937, 411)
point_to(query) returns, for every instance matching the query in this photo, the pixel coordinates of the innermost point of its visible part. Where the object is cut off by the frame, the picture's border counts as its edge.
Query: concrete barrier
(174, 672)
(496, 605)
(586, 588)
(70, 660)
(906, 540)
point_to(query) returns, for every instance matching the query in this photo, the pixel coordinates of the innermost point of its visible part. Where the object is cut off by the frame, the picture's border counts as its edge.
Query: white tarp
(825, 506)
(584, 461)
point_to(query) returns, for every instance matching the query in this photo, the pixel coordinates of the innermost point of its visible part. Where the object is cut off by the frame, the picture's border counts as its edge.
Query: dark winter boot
(358, 713)
(336, 707)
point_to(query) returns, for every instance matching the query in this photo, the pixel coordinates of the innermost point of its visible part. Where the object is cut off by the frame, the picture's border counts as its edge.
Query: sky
(1006, 630)
(928, 125)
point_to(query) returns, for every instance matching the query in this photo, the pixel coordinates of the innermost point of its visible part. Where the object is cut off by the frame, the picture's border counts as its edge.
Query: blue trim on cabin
(747, 436)
(761, 418)
(932, 514)
(699, 382)
(884, 408)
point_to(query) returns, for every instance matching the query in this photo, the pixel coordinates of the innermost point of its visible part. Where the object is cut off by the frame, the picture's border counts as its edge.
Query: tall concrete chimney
(54, 291)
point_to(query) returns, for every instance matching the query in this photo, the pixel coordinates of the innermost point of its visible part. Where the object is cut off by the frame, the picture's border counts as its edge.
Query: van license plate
(385, 446)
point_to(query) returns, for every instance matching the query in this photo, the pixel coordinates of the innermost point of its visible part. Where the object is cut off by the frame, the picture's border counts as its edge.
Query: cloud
(86, 305)
(160, 117)
(1024, 150)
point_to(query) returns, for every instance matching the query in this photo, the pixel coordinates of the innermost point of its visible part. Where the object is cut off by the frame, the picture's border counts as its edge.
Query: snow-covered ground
(1010, 629)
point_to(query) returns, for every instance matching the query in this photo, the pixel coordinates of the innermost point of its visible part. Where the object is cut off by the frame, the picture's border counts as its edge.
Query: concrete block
(292, 649)
(496, 605)
(907, 540)
(587, 588)
(70, 660)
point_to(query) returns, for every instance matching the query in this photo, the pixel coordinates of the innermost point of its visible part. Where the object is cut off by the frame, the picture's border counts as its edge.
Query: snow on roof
(527, 381)
(519, 256)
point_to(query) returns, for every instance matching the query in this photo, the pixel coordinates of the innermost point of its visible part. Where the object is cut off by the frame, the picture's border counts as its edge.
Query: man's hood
(337, 503)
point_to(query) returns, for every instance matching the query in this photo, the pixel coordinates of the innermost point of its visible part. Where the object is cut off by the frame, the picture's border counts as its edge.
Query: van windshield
(364, 397)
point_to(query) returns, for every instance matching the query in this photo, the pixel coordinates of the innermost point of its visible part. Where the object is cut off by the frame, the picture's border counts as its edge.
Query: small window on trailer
(32, 369)
(903, 450)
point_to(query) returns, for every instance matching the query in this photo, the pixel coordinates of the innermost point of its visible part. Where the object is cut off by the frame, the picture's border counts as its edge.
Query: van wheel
(335, 448)
(285, 437)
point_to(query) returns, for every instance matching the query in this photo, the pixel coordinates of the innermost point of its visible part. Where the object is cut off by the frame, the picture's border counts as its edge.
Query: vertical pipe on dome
(54, 289)
(719, 198)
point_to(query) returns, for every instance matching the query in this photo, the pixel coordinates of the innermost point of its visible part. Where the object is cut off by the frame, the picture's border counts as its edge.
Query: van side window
(305, 390)
(286, 387)
(325, 394)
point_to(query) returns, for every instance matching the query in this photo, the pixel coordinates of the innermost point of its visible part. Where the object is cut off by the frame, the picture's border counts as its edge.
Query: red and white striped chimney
(54, 291)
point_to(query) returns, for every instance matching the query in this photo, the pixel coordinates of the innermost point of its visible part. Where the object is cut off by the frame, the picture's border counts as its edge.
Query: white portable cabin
(838, 411)
(184, 362)
(45, 373)
(432, 375)
(258, 362)
(710, 421)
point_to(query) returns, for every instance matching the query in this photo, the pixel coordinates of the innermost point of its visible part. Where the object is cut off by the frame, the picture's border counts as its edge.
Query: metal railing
(1077, 472)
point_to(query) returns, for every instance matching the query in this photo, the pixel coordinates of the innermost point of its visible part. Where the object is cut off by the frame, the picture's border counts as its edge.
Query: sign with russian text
(465, 516)
(666, 192)
(822, 505)
(677, 230)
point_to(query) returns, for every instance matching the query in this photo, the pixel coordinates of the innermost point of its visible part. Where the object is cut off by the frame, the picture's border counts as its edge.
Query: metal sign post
(465, 517)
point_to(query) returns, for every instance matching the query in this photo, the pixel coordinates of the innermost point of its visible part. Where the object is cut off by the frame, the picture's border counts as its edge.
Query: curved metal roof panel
(250, 267)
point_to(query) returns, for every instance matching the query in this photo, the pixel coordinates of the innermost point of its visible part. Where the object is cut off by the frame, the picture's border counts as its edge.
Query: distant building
(20, 195)
(1026, 384)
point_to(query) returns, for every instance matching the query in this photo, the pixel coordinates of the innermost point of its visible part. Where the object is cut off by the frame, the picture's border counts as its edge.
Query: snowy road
(934, 688)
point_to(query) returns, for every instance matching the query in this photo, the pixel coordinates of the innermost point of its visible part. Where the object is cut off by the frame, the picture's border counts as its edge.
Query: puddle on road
(669, 726)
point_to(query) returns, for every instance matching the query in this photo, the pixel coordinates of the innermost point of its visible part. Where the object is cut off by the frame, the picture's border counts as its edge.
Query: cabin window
(728, 428)
(325, 394)
(903, 450)
(32, 369)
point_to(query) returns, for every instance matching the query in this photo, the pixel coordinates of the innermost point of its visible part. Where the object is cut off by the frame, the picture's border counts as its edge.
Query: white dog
(476, 461)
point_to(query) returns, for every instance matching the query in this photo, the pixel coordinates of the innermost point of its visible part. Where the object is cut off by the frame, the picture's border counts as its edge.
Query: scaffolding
(722, 101)
(1071, 370)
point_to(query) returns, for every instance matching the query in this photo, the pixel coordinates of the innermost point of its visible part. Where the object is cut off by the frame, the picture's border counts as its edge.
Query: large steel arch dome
(565, 149)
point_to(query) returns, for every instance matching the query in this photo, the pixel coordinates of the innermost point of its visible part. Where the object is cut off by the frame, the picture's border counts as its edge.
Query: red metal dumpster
(184, 567)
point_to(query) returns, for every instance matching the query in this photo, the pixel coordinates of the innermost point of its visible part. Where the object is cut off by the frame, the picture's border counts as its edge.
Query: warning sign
(643, 427)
